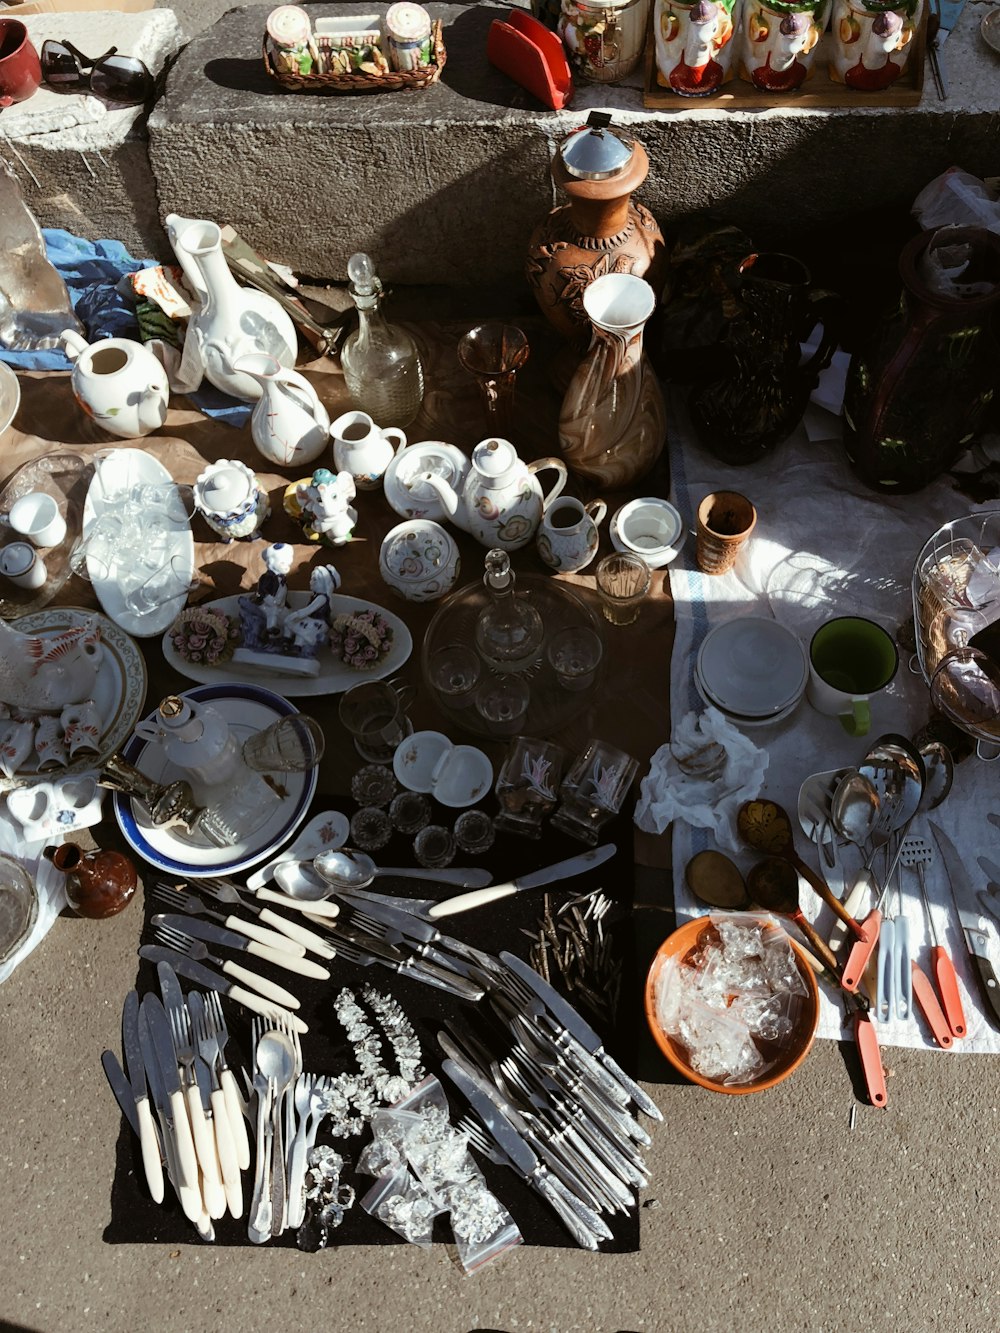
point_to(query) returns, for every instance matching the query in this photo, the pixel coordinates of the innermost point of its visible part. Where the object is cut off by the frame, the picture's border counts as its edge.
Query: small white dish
(649, 527)
(455, 775)
(415, 499)
(334, 677)
(248, 709)
(753, 666)
(58, 806)
(324, 833)
(120, 470)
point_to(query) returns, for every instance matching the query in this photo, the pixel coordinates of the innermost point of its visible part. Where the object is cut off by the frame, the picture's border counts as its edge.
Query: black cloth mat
(136, 1219)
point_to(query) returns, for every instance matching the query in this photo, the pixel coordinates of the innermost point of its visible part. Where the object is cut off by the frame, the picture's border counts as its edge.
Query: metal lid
(596, 152)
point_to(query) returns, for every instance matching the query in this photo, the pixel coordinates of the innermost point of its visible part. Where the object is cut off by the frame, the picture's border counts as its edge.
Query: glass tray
(551, 706)
(64, 476)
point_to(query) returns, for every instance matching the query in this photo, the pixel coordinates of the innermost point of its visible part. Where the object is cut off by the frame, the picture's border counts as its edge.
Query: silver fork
(199, 951)
(235, 1105)
(201, 1128)
(208, 1049)
(178, 900)
(225, 891)
(305, 1086)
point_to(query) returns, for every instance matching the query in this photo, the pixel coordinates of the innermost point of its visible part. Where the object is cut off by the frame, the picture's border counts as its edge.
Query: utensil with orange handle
(917, 852)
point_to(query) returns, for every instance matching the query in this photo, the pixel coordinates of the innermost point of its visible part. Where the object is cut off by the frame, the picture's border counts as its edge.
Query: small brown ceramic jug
(98, 883)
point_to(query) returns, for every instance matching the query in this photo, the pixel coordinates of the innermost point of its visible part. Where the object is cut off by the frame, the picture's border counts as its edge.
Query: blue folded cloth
(92, 272)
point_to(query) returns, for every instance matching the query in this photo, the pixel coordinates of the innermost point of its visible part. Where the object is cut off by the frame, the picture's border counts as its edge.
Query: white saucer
(421, 501)
(118, 470)
(752, 666)
(248, 709)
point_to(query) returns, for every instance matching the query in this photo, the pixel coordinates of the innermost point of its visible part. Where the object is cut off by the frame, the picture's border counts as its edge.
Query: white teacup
(649, 527)
(37, 517)
(22, 565)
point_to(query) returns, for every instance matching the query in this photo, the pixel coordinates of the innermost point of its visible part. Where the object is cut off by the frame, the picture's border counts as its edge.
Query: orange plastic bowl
(787, 1055)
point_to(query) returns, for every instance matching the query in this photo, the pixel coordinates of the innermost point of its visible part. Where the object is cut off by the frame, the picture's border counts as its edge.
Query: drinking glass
(528, 785)
(493, 353)
(454, 672)
(594, 790)
(502, 702)
(575, 656)
(374, 712)
(623, 580)
(293, 744)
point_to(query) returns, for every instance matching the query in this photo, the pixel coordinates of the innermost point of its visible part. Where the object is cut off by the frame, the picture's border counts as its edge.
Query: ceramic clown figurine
(871, 41)
(694, 46)
(778, 40)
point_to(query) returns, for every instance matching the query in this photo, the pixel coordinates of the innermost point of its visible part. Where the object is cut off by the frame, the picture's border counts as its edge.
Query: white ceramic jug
(232, 321)
(197, 741)
(289, 425)
(119, 383)
(364, 449)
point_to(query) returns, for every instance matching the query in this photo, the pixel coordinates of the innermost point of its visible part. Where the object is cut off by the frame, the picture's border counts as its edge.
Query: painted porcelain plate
(165, 568)
(333, 677)
(119, 694)
(248, 709)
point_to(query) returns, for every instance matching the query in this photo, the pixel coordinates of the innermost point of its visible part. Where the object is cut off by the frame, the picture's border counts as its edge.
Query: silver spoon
(347, 869)
(276, 1059)
(854, 807)
(939, 774)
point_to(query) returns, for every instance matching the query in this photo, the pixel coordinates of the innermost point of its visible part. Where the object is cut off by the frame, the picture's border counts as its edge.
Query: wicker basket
(389, 82)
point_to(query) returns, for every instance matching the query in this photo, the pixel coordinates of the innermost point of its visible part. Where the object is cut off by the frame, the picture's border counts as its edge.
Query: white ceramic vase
(232, 321)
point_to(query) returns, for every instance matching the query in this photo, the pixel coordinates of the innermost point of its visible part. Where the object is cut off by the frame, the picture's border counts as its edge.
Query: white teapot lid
(225, 487)
(494, 457)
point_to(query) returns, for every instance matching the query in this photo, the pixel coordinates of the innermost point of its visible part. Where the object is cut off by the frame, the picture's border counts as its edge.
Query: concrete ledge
(445, 185)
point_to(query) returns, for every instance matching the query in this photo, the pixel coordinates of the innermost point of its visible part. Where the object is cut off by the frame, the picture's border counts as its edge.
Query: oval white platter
(119, 470)
(333, 676)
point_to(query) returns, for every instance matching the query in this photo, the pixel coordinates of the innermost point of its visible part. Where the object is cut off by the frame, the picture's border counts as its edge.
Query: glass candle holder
(409, 812)
(434, 847)
(375, 784)
(474, 832)
(575, 656)
(528, 785)
(371, 828)
(594, 790)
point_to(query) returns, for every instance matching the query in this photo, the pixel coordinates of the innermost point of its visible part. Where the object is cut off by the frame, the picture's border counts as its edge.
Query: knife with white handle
(307, 938)
(163, 1047)
(151, 1162)
(204, 976)
(576, 865)
(317, 907)
(228, 939)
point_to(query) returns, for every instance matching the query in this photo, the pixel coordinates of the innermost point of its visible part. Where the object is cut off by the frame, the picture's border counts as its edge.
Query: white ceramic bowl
(649, 527)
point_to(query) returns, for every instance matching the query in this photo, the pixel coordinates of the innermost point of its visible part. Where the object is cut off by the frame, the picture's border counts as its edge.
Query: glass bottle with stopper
(509, 630)
(381, 366)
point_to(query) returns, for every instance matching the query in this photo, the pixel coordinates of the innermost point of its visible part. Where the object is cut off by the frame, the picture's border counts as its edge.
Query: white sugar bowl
(419, 560)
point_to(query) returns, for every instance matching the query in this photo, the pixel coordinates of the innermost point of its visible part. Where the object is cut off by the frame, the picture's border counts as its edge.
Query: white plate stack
(753, 670)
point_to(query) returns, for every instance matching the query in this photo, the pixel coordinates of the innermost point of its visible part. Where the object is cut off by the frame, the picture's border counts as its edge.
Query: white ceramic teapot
(119, 383)
(289, 424)
(232, 321)
(500, 501)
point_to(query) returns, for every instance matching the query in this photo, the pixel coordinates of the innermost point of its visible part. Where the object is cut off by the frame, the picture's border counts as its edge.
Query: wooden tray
(819, 90)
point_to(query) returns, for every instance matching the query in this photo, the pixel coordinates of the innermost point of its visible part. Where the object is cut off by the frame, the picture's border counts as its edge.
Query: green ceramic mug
(850, 659)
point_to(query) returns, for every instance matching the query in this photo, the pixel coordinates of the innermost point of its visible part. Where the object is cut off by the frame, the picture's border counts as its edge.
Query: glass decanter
(380, 363)
(509, 630)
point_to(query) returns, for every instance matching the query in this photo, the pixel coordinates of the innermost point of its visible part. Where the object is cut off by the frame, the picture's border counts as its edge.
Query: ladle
(765, 826)
(774, 884)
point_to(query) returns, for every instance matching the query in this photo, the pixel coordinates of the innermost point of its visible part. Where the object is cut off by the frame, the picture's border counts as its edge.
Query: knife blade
(575, 865)
(374, 949)
(229, 939)
(413, 927)
(578, 1028)
(121, 1088)
(976, 938)
(994, 819)
(166, 1062)
(137, 1078)
(204, 976)
(989, 868)
(582, 1223)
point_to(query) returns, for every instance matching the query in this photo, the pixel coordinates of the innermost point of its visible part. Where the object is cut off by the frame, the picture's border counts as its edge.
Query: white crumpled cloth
(668, 792)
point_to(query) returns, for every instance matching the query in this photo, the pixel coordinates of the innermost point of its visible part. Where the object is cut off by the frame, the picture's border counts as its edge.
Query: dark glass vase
(754, 389)
(917, 392)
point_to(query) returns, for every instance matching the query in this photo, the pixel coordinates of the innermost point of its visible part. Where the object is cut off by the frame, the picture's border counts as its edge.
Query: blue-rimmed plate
(248, 709)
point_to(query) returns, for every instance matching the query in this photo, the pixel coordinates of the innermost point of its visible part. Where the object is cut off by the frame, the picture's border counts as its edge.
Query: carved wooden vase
(600, 231)
(613, 424)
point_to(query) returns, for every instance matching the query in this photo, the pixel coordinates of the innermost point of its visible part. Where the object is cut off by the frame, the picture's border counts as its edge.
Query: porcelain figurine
(276, 637)
(500, 501)
(323, 506)
(289, 424)
(568, 537)
(81, 726)
(17, 742)
(44, 674)
(871, 43)
(420, 560)
(694, 45)
(232, 321)
(119, 383)
(231, 500)
(777, 42)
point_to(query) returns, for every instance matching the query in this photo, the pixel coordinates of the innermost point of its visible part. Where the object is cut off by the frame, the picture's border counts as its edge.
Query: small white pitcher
(289, 424)
(567, 537)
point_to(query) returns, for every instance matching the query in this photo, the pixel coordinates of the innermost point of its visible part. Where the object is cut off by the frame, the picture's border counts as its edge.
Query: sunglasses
(117, 78)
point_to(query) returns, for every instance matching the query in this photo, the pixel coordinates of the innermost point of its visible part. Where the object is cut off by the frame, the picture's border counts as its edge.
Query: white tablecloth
(814, 514)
